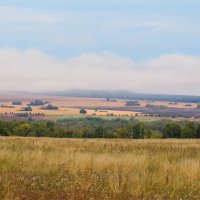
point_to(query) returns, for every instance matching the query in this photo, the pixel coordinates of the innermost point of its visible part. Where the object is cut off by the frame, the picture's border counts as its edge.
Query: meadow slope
(43, 168)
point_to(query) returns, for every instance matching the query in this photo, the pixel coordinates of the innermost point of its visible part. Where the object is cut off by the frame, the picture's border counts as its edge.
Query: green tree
(189, 131)
(172, 130)
(156, 134)
(39, 130)
(121, 133)
(198, 132)
(83, 111)
(3, 129)
(87, 134)
(23, 129)
(137, 131)
(148, 133)
(100, 132)
(50, 125)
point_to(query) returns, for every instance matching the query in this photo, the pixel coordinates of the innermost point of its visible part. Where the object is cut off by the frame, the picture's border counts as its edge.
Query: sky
(149, 46)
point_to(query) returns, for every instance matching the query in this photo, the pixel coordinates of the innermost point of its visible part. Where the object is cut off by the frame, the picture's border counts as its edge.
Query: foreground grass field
(32, 168)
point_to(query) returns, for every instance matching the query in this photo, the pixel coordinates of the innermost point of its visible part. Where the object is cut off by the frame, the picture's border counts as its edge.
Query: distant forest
(93, 127)
(127, 95)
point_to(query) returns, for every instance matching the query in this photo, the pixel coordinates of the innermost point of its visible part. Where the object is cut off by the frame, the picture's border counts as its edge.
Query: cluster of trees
(4, 106)
(173, 130)
(50, 107)
(100, 128)
(83, 111)
(132, 103)
(156, 106)
(188, 105)
(37, 103)
(33, 129)
(16, 103)
(27, 109)
(111, 100)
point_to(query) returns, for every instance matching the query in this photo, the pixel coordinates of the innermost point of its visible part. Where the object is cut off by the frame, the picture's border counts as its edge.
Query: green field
(58, 117)
(32, 168)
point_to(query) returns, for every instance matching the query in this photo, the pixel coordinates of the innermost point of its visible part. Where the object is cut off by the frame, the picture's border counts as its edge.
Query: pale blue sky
(139, 45)
(139, 29)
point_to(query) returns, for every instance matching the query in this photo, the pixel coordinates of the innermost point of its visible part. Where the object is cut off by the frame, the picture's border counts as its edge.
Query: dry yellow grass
(32, 168)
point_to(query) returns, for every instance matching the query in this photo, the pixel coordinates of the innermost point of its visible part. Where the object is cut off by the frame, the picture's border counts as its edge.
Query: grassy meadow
(43, 168)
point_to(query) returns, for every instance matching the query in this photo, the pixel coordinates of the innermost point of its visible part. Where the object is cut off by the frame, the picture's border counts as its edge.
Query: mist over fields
(33, 70)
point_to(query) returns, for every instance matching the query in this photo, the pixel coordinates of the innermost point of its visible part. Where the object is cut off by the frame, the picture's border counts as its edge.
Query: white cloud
(34, 70)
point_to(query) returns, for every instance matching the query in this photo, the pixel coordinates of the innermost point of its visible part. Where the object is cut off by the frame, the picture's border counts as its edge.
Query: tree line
(101, 128)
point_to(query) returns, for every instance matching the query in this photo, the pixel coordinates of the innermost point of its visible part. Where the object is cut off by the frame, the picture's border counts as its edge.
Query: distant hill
(126, 95)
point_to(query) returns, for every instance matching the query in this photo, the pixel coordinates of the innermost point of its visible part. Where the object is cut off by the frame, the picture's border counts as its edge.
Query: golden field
(65, 105)
(32, 168)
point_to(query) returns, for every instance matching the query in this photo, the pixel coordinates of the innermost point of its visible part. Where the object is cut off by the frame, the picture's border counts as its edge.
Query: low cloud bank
(33, 70)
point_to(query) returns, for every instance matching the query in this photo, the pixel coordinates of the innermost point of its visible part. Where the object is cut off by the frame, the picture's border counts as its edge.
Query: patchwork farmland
(70, 106)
